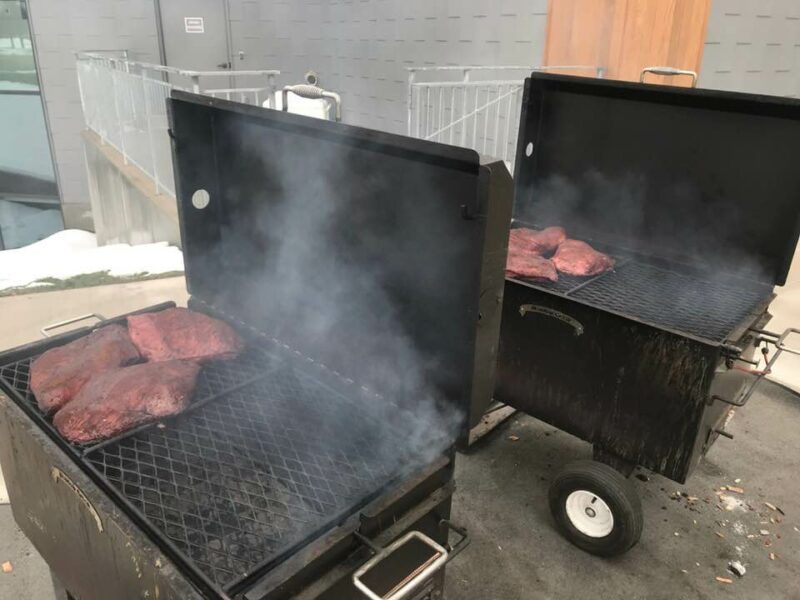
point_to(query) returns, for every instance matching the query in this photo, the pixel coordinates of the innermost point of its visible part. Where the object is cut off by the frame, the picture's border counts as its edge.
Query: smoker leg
(596, 508)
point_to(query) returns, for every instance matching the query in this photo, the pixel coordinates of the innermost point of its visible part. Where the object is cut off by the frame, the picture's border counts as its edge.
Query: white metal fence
(475, 107)
(124, 102)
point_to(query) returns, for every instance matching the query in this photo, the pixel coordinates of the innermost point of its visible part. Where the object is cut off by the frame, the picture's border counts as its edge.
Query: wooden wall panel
(624, 36)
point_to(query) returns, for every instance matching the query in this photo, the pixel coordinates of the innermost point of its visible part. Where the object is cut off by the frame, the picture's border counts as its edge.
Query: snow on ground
(74, 252)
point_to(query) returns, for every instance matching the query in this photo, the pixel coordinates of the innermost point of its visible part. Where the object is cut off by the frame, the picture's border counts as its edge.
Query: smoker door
(706, 177)
(361, 249)
(637, 392)
(93, 549)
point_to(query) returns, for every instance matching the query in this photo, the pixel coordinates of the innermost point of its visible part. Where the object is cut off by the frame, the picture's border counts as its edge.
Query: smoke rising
(345, 254)
(667, 219)
(683, 257)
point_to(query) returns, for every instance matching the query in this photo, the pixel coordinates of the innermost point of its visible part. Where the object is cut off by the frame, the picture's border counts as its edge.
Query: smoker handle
(415, 578)
(47, 328)
(768, 337)
(419, 575)
(312, 92)
(668, 72)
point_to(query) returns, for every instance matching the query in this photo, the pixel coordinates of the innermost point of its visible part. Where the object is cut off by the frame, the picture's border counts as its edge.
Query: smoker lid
(359, 249)
(701, 176)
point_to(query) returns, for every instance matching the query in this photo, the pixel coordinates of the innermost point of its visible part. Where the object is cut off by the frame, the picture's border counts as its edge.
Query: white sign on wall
(194, 25)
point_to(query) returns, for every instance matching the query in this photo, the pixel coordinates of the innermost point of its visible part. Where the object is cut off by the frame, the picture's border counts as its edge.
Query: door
(624, 36)
(195, 34)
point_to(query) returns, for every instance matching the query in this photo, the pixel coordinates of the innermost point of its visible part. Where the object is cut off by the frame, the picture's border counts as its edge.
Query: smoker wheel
(596, 508)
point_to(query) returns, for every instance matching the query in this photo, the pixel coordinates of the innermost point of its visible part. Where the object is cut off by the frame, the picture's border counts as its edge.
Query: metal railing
(475, 107)
(124, 103)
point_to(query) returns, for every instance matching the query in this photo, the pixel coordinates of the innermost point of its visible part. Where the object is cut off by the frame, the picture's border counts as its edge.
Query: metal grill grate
(236, 483)
(17, 377)
(693, 304)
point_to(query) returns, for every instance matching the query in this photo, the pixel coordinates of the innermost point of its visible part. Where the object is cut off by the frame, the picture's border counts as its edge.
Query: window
(29, 201)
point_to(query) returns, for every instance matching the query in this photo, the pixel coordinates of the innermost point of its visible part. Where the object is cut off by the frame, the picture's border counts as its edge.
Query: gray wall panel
(63, 27)
(753, 47)
(360, 48)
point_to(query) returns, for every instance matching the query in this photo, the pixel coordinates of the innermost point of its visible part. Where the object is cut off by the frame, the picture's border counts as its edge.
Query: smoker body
(640, 394)
(108, 555)
(693, 194)
(303, 465)
(99, 543)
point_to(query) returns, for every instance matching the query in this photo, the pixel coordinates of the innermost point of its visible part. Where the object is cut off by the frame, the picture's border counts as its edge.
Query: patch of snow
(74, 252)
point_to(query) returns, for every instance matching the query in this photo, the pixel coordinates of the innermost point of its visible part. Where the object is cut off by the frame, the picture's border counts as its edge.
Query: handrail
(124, 103)
(505, 68)
(481, 114)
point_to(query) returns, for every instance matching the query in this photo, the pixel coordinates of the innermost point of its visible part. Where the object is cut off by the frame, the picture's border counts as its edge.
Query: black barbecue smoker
(319, 463)
(696, 195)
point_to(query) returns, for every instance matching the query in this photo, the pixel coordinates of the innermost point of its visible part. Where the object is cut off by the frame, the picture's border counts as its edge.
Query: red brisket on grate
(574, 257)
(120, 399)
(541, 242)
(523, 261)
(60, 373)
(179, 333)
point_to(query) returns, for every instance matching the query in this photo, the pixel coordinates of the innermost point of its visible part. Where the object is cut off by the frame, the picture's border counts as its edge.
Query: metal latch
(47, 328)
(415, 579)
(668, 72)
(778, 340)
(312, 92)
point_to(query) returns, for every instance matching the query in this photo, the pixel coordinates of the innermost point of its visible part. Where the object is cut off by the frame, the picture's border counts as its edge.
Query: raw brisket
(60, 373)
(543, 242)
(574, 257)
(117, 400)
(530, 265)
(179, 333)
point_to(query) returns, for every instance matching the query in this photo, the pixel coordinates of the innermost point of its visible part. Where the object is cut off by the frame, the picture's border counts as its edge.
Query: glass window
(29, 201)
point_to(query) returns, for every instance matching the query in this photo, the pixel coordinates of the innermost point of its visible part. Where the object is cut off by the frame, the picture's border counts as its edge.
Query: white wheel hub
(589, 514)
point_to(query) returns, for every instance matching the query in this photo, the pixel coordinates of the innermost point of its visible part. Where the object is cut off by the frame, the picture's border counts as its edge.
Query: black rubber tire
(615, 490)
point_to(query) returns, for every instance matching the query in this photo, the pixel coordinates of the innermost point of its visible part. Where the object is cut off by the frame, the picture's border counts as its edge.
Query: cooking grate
(266, 457)
(242, 480)
(681, 300)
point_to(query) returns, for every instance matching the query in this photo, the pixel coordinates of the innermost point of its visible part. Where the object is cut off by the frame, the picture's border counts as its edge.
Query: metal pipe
(496, 122)
(162, 50)
(463, 112)
(150, 140)
(452, 108)
(410, 97)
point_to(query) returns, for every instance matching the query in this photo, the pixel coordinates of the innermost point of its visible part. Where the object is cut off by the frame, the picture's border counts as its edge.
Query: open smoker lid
(701, 176)
(357, 248)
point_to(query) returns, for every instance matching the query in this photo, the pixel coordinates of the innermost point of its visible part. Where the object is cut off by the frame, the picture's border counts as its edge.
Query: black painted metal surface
(639, 392)
(375, 239)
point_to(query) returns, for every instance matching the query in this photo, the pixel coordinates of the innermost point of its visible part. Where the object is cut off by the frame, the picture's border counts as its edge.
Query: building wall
(361, 48)
(61, 28)
(753, 47)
